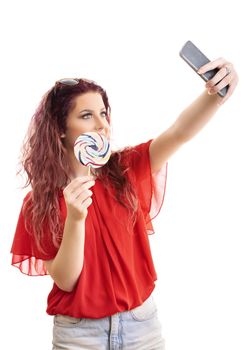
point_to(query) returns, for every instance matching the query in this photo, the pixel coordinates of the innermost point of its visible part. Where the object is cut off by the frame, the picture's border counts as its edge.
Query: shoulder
(27, 197)
(131, 153)
(26, 203)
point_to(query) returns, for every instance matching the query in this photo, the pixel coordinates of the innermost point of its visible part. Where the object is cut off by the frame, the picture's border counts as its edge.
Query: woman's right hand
(77, 195)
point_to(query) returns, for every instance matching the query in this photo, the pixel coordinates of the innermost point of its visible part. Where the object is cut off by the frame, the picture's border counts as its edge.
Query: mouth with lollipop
(92, 149)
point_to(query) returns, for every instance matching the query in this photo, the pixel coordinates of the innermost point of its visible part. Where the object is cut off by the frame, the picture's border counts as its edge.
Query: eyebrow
(90, 110)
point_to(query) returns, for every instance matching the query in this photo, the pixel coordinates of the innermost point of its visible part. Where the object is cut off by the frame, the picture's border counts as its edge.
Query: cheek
(109, 133)
(71, 136)
(107, 126)
(75, 131)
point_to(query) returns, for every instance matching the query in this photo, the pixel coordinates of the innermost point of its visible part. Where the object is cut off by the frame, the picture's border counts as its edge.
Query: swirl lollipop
(92, 150)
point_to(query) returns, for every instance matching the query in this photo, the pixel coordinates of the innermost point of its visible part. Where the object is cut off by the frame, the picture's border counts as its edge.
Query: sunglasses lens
(69, 81)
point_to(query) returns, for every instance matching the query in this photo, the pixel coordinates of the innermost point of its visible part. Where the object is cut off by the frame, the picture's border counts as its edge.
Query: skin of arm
(67, 265)
(193, 119)
(187, 125)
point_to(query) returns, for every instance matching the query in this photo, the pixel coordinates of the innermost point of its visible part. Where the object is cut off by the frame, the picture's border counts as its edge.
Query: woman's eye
(89, 115)
(86, 116)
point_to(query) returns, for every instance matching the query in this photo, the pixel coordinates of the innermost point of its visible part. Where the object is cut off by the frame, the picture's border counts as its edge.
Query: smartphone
(196, 59)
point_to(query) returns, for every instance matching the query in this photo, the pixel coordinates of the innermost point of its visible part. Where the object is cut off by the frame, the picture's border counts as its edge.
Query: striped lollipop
(92, 149)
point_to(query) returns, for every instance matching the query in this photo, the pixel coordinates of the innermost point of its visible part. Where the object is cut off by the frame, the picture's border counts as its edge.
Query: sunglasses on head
(70, 82)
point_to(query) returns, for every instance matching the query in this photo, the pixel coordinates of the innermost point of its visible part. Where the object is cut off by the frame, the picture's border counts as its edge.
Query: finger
(76, 183)
(222, 75)
(214, 89)
(82, 201)
(82, 207)
(231, 80)
(88, 202)
(80, 180)
(77, 203)
(84, 188)
(229, 93)
(224, 82)
(218, 63)
(83, 195)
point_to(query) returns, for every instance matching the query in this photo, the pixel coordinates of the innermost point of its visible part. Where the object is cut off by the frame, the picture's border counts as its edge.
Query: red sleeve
(150, 187)
(25, 254)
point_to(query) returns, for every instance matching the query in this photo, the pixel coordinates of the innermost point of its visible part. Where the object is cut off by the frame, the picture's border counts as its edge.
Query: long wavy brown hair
(44, 160)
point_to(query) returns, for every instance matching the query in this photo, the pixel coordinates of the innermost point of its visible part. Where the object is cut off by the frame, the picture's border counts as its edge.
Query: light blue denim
(137, 329)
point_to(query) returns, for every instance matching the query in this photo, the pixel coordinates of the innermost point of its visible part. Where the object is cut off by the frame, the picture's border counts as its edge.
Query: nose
(99, 124)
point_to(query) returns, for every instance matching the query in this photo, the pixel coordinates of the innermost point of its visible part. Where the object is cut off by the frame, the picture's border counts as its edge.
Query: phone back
(196, 59)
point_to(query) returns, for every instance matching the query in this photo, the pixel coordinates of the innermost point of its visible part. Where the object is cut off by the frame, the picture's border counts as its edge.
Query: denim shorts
(137, 329)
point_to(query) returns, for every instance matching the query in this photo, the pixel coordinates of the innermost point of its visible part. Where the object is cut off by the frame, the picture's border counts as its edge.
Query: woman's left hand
(225, 76)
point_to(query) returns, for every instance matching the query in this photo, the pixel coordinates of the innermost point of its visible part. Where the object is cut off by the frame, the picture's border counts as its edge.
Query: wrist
(74, 219)
(74, 223)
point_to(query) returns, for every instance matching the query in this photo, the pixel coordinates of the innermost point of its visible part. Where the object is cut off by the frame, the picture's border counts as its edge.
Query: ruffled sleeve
(150, 187)
(25, 255)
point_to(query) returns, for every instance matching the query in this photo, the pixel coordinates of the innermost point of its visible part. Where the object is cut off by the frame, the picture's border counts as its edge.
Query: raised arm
(195, 116)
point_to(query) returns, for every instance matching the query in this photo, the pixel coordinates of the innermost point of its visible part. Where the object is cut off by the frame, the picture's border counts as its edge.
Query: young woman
(90, 232)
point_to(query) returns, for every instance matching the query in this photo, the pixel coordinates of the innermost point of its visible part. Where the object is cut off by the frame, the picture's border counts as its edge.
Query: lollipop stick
(88, 170)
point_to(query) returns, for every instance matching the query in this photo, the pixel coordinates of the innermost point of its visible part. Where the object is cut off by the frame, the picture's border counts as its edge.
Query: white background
(201, 245)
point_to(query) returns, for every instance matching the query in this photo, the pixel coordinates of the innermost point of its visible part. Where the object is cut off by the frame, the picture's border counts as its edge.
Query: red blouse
(118, 272)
